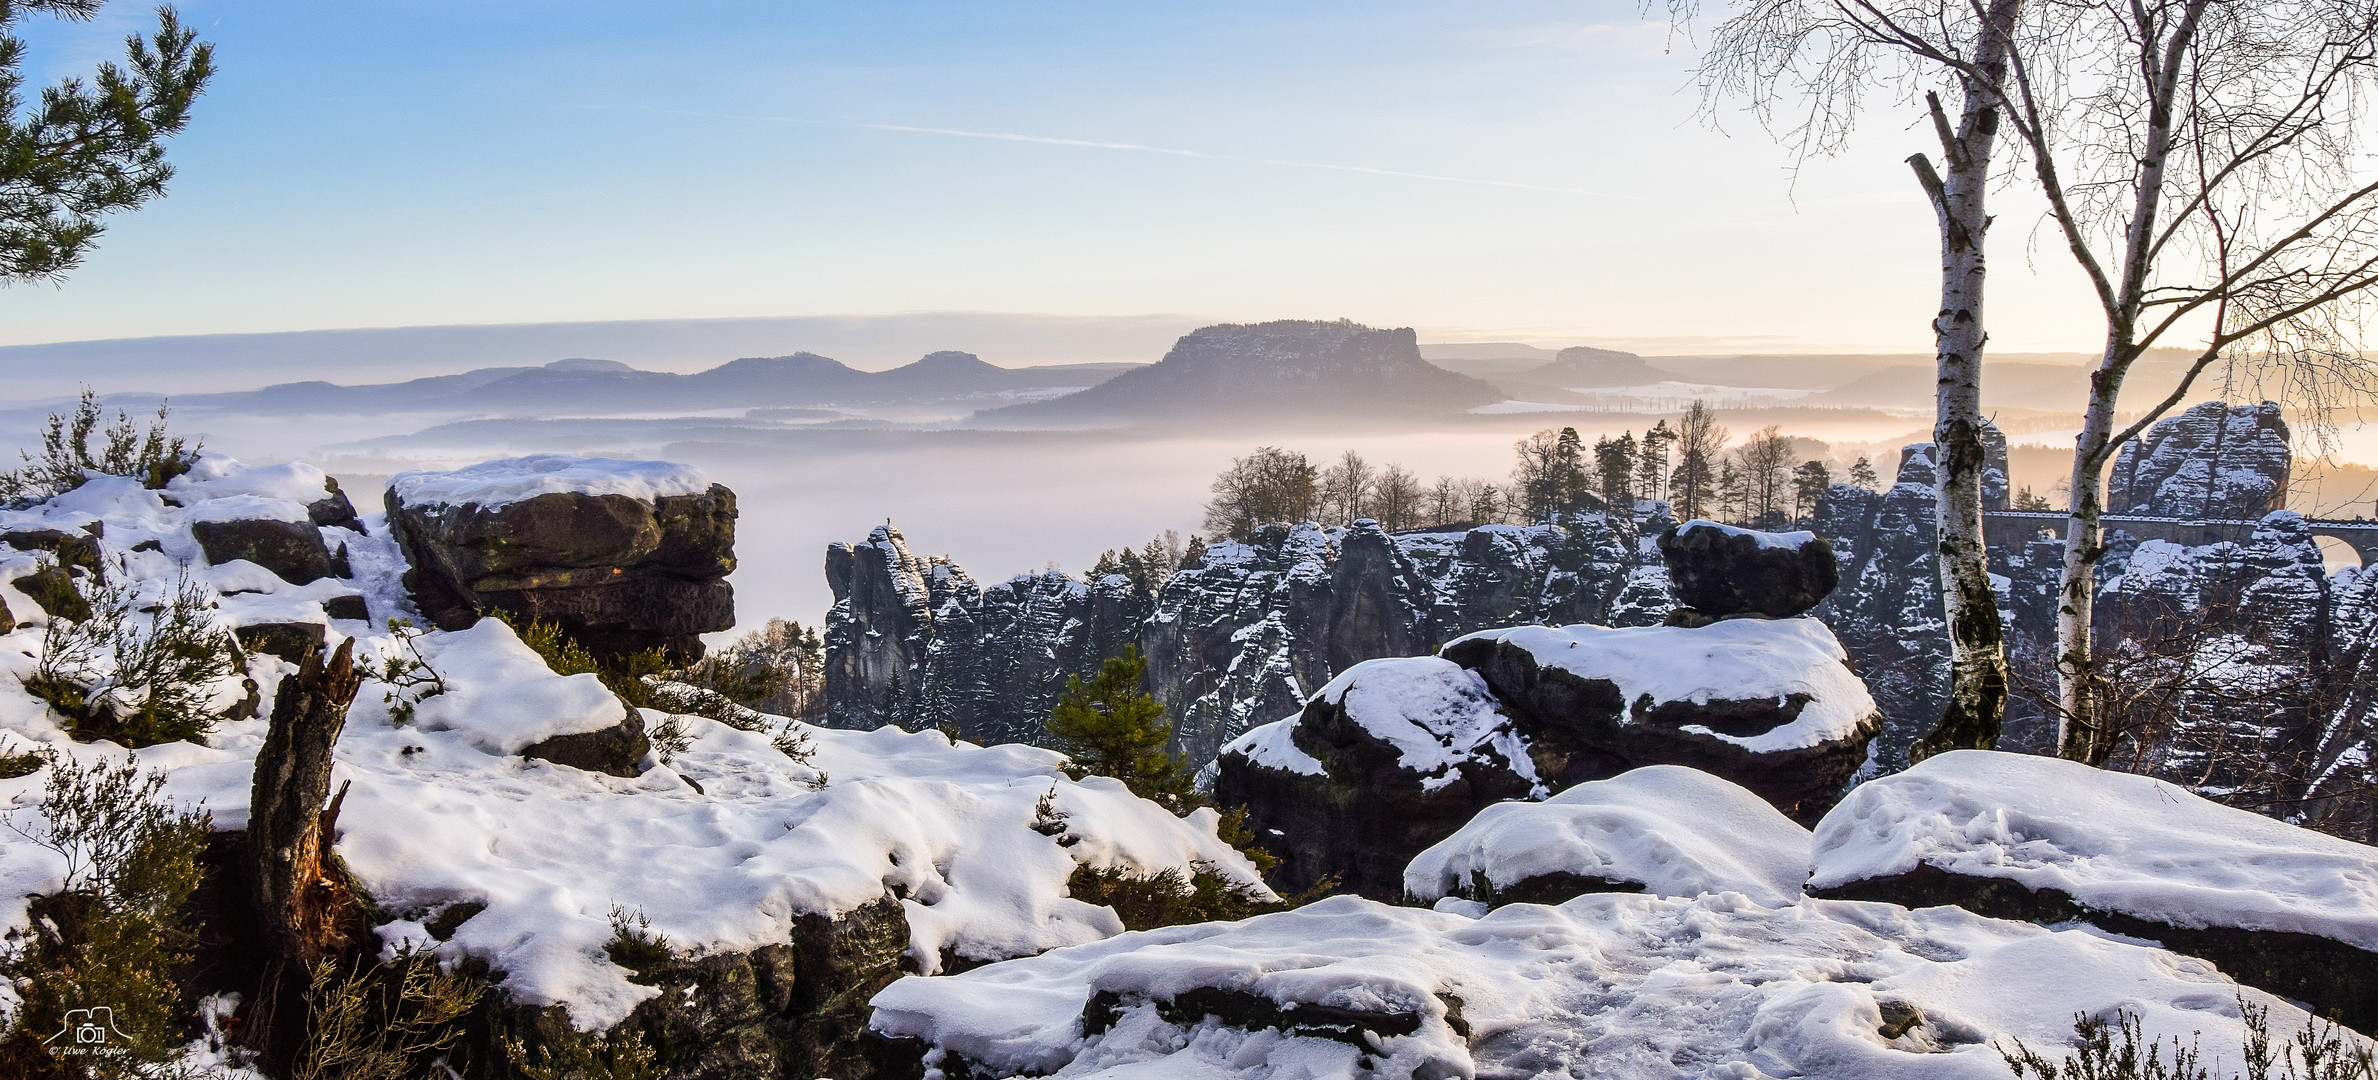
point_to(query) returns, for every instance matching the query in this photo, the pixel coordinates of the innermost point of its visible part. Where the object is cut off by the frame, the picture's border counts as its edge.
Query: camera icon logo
(86, 1031)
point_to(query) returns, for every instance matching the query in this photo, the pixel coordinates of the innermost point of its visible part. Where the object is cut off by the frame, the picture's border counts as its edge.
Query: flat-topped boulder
(1770, 704)
(623, 555)
(1661, 829)
(1720, 570)
(2042, 839)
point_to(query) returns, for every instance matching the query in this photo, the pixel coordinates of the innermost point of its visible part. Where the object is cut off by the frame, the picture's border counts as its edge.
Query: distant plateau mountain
(1273, 369)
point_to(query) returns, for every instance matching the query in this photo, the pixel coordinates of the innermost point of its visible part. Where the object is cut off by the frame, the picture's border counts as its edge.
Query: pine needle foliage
(138, 669)
(1109, 727)
(1168, 897)
(67, 457)
(115, 935)
(86, 149)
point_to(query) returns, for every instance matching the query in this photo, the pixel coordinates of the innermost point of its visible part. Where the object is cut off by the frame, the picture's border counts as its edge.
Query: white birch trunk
(1977, 638)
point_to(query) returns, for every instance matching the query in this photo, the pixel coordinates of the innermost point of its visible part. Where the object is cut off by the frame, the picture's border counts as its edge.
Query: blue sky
(1484, 170)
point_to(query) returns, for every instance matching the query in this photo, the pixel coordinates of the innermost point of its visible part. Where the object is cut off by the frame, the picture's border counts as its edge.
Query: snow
(215, 475)
(1436, 713)
(441, 810)
(1611, 986)
(491, 484)
(1270, 746)
(501, 697)
(1677, 831)
(1733, 660)
(2112, 841)
(1779, 541)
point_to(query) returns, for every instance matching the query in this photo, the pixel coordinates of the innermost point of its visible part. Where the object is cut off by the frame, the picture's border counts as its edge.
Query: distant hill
(1585, 366)
(1486, 359)
(1285, 368)
(604, 386)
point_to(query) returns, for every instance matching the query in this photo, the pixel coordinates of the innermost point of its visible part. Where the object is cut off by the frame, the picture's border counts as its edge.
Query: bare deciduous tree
(1824, 55)
(1345, 490)
(2200, 162)
(1699, 442)
(1397, 499)
(1268, 485)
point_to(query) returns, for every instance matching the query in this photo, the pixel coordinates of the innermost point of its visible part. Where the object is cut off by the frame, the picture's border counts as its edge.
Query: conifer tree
(84, 150)
(1809, 483)
(1110, 728)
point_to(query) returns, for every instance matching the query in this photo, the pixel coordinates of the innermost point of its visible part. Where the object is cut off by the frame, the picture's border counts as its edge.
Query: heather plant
(115, 934)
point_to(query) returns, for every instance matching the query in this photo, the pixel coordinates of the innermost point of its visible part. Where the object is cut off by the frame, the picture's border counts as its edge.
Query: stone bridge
(2015, 527)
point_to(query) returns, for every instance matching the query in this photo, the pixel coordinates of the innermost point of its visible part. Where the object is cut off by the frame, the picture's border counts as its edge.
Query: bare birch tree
(1824, 55)
(2200, 163)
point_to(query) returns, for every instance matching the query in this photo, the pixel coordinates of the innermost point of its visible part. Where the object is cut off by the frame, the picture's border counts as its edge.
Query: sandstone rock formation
(1242, 636)
(2212, 461)
(292, 550)
(1394, 755)
(2275, 906)
(1719, 570)
(624, 556)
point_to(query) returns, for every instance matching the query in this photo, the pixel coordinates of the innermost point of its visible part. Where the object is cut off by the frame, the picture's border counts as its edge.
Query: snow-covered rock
(2017, 836)
(959, 852)
(1395, 754)
(1720, 570)
(1769, 704)
(623, 555)
(2212, 461)
(1386, 759)
(1662, 829)
(1609, 986)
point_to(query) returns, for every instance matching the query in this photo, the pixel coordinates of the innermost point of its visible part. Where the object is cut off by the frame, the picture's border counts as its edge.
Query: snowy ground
(1609, 986)
(720, 848)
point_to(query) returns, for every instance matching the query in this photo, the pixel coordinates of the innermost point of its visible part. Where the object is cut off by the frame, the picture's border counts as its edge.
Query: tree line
(1766, 481)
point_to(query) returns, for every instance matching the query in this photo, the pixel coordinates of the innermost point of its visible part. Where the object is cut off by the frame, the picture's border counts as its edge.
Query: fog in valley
(999, 497)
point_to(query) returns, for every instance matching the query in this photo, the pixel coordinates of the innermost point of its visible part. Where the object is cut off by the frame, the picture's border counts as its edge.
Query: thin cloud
(1004, 136)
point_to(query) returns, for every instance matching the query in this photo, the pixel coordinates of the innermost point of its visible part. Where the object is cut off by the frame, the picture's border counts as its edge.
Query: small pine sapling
(139, 671)
(405, 672)
(634, 945)
(1109, 727)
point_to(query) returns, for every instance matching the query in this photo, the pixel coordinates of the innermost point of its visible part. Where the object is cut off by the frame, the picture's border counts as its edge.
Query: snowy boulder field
(2021, 837)
(1661, 829)
(525, 865)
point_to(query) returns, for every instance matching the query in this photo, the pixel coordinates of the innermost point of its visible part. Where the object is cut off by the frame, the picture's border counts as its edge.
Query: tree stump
(310, 912)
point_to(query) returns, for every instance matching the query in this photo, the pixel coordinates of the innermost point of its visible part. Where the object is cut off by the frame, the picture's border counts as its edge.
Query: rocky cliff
(2213, 461)
(1240, 637)
(2233, 662)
